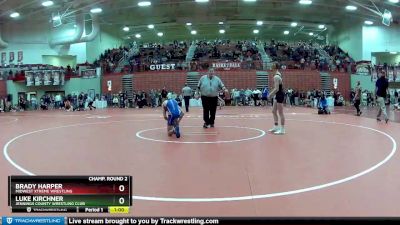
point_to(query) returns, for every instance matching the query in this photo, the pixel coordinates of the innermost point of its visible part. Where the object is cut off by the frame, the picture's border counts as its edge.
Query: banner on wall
(363, 68)
(29, 77)
(226, 66)
(20, 56)
(335, 83)
(56, 77)
(390, 74)
(44, 77)
(62, 78)
(3, 57)
(162, 66)
(109, 85)
(11, 57)
(38, 78)
(47, 77)
(88, 73)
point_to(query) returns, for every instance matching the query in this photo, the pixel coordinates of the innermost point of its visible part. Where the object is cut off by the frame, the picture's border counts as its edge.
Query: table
(100, 104)
(196, 102)
(193, 103)
(331, 102)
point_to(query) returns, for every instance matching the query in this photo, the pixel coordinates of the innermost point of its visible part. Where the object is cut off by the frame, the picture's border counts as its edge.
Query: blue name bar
(32, 220)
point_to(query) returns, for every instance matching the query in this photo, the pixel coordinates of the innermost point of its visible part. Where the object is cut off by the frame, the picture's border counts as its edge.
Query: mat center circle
(199, 135)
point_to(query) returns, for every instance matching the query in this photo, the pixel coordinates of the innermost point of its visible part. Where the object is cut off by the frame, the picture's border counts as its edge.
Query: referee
(209, 86)
(381, 90)
(187, 94)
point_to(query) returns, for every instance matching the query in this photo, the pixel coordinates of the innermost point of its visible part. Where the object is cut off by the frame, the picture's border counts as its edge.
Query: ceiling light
(160, 34)
(368, 22)
(394, 1)
(125, 28)
(311, 33)
(14, 15)
(201, 0)
(305, 2)
(96, 10)
(222, 31)
(220, 23)
(151, 26)
(71, 32)
(75, 25)
(286, 32)
(249, 0)
(56, 18)
(387, 15)
(393, 53)
(321, 26)
(188, 24)
(259, 23)
(144, 3)
(138, 36)
(256, 31)
(294, 24)
(193, 32)
(351, 7)
(47, 3)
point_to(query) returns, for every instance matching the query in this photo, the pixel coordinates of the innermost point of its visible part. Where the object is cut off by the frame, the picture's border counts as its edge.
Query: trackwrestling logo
(33, 220)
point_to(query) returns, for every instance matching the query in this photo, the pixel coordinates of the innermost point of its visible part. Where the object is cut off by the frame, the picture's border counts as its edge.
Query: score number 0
(121, 200)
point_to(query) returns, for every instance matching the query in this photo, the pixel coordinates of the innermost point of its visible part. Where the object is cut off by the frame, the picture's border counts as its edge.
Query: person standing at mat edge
(209, 86)
(357, 98)
(277, 105)
(381, 88)
(187, 94)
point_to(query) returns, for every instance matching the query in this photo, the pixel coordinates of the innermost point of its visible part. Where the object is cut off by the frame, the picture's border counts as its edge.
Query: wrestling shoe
(280, 131)
(274, 129)
(386, 120)
(205, 126)
(177, 132)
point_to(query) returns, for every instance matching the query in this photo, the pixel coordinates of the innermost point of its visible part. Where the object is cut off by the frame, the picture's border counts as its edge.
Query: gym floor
(336, 165)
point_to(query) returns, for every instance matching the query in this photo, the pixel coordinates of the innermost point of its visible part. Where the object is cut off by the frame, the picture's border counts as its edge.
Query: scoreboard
(70, 194)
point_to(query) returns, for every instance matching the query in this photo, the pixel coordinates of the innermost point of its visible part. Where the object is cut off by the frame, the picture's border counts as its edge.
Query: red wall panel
(344, 83)
(302, 80)
(116, 81)
(157, 80)
(3, 88)
(238, 79)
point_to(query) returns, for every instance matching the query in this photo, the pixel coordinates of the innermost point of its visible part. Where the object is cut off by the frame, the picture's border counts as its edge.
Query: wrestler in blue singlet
(174, 111)
(174, 115)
